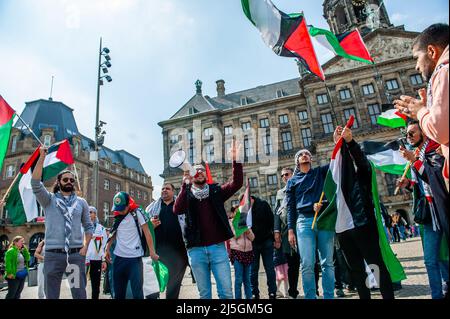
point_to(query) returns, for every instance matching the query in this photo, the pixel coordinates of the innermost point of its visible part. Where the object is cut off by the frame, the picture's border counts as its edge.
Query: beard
(197, 182)
(418, 143)
(68, 188)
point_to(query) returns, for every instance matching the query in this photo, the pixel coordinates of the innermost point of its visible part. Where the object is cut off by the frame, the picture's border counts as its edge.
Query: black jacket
(262, 221)
(191, 234)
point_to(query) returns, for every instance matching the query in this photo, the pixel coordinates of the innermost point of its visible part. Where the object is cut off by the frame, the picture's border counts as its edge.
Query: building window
(106, 184)
(273, 201)
(209, 153)
(248, 148)
(228, 130)
(144, 179)
(391, 183)
(263, 123)
(345, 94)
(14, 143)
(191, 146)
(227, 150)
(374, 112)
(10, 171)
(145, 196)
(207, 132)
(267, 142)
(327, 123)
(416, 79)
(368, 89)
(107, 164)
(283, 119)
(286, 138)
(392, 84)
(76, 149)
(244, 101)
(280, 93)
(192, 110)
(131, 174)
(117, 187)
(246, 126)
(303, 116)
(253, 182)
(306, 136)
(132, 192)
(118, 170)
(47, 140)
(348, 113)
(272, 179)
(139, 194)
(106, 210)
(173, 139)
(322, 98)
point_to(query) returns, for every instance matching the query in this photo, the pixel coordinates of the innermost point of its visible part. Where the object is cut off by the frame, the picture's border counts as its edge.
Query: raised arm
(42, 195)
(230, 188)
(181, 204)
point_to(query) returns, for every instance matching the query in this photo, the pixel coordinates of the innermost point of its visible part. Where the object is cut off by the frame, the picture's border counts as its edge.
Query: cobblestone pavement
(409, 252)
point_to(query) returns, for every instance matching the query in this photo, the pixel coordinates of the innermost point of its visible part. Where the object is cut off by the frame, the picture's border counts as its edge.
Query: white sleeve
(141, 219)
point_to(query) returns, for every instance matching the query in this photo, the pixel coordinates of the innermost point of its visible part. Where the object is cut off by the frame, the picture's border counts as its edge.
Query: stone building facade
(52, 122)
(282, 118)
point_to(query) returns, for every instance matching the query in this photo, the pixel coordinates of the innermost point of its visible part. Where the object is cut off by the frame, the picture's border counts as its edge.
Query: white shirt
(96, 248)
(128, 241)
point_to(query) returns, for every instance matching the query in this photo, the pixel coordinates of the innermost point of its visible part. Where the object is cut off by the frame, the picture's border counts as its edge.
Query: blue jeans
(264, 250)
(242, 276)
(128, 270)
(213, 258)
(431, 246)
(308, 241)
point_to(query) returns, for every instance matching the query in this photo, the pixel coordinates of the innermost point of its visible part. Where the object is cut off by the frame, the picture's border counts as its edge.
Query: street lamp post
(99, 134)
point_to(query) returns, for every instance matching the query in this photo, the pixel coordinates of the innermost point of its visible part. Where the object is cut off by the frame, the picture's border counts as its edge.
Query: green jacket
(11, 260)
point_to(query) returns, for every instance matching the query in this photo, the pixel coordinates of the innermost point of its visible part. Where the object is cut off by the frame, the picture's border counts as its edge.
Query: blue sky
(159, 48)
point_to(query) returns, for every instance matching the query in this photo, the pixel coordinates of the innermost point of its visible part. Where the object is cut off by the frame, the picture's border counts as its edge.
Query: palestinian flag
(392, 118)
(349, 45)
(6, 119)
(385, 157)
(161, 270)
(242, 221)
(21, 203)
(337, 216)
(286, 34)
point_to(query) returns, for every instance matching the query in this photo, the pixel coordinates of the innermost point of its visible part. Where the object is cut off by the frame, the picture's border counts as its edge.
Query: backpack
(140, 232)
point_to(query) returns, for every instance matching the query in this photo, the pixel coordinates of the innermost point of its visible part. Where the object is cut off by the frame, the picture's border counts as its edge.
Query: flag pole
(29, 129)
(76, 176)
(407, 167)
(317, 211)
(10, 187)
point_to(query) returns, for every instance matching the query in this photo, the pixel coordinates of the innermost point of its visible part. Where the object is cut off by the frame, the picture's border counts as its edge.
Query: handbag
(21, 274)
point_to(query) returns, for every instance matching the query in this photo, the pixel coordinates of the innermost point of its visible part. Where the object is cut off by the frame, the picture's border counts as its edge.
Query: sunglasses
(285, 175)
(66, 179)
(305, 153)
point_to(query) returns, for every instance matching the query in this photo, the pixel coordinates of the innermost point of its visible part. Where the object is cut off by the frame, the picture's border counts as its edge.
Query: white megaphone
(179, 160)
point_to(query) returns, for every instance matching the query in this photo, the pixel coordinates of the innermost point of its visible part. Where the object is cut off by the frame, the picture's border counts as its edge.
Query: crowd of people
(194, 229)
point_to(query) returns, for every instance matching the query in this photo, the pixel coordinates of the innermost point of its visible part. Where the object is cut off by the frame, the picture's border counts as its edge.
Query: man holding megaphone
(207, 227)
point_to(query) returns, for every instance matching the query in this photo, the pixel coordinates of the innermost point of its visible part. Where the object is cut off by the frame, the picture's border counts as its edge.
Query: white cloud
(399, 18)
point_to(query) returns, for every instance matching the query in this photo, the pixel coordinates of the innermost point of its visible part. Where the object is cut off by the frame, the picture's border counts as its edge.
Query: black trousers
(15, 287)
(176, 262)
(293, 260)
(361, 244)
(95, 272)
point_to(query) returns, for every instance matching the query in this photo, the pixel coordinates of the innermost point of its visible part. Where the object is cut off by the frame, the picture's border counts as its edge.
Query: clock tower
(346, 15)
